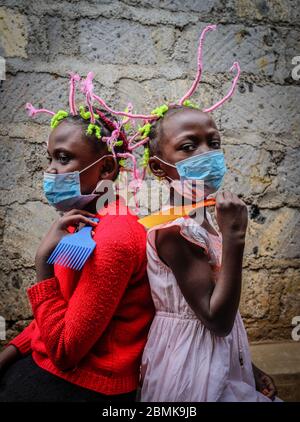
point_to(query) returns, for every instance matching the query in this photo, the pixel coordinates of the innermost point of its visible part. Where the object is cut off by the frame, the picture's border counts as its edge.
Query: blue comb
(74, 249)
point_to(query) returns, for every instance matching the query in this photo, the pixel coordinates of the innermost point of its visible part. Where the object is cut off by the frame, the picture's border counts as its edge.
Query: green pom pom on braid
(122, 162)
(145, 130)
(86, 114)
(146, 157)
(94, 130)
(188, 103)
(60, 115)
(160, 111)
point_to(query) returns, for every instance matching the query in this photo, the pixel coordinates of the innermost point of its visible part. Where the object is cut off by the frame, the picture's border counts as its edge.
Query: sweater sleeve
(70, 329)
(23, 340)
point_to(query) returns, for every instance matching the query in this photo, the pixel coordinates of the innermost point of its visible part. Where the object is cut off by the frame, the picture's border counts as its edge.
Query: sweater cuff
(44, 290)
(22, 342)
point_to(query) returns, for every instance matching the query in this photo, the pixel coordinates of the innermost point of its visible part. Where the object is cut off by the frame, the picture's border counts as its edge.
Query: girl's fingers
(270, 386)
(228, 196)
(82, 212)
(74, 220)
(220, 197)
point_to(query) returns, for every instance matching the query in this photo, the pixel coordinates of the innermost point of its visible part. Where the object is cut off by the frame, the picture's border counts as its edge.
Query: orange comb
(172, 213)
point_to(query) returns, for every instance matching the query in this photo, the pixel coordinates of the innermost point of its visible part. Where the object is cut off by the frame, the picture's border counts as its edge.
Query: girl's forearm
(9, 355)
(225, 298)
(43, 270)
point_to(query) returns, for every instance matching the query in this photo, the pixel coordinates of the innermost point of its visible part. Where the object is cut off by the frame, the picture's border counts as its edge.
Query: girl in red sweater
(90, 326)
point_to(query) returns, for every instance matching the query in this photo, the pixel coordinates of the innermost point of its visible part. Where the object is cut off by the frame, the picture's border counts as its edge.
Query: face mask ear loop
(169, 179)
(97, 161)
(165, 162)
(168, 164)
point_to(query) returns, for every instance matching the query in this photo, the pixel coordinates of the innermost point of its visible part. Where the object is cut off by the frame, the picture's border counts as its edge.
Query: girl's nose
(51, 170)
(202, 149)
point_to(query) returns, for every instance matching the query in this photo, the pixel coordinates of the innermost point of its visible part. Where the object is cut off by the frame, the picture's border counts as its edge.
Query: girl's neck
(179, 200)
(92, 206)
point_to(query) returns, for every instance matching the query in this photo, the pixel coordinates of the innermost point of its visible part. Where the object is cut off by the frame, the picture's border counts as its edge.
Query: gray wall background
(145, 51)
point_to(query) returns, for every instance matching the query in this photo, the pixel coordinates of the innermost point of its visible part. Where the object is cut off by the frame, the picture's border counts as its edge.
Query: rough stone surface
(110, 41)
(13, 30)
(145, 51)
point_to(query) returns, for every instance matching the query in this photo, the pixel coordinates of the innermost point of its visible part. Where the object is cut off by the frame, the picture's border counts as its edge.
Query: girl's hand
(264, 383)
(231, 214)
(59, 230)
(53, 237)
(8, 356)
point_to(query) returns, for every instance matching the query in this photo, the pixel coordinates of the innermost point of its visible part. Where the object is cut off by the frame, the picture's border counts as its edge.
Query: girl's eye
(64, 159)
(215, 144)
(188, 147)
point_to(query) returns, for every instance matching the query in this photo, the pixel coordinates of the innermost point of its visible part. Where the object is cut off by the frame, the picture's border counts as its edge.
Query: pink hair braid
(231, 91)
(87, 88)
(123, 113)
(199, 70)
(32, 111)
(138, 144)
(73, 79)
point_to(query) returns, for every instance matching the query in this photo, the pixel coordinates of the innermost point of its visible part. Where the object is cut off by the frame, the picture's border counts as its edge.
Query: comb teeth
(70, 256)
(73, 250)
(64, 255)
(76, 258)
(78, 263)
(54, 254)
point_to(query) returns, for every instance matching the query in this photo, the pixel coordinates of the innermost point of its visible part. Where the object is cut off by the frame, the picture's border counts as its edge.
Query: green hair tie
(127, 126)
(86, 114)
(145, 130)
(94, 130)
(188, 103)
(160, 111)
(60, 115)
(146, 157)
(122, 162)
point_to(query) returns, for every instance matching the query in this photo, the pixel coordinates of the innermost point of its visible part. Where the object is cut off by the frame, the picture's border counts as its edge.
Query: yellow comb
(172, 213)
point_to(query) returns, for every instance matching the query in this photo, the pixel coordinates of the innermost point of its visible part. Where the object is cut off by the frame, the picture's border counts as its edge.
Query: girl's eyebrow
(186, 136)
(61, 149)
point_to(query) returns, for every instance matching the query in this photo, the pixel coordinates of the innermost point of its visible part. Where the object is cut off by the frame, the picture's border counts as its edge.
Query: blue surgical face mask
(209, 167)
(63, 190)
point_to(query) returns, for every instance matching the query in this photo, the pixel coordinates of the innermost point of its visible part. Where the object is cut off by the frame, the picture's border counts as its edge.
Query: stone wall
(146, 51)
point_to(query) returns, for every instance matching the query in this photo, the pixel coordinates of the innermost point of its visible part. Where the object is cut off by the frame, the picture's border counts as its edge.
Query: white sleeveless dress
(183, 361)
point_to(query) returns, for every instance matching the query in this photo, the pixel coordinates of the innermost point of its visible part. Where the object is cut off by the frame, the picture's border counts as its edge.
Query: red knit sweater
(90, 327)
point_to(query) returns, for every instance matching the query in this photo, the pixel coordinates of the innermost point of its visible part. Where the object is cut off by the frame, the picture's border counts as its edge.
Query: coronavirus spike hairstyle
(96, 118)
(141, 137)
(98, 122)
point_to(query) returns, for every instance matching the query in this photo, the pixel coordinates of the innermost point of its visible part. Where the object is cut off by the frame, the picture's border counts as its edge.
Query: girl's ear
(155, 167)
(109, 168)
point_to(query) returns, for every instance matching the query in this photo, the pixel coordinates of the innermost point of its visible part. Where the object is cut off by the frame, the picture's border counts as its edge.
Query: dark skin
(68, 150)
(186, 133)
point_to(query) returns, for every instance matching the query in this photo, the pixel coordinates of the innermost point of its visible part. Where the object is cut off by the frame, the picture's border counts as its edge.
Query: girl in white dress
(197, 348)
